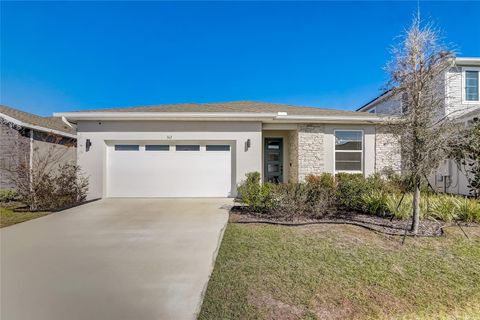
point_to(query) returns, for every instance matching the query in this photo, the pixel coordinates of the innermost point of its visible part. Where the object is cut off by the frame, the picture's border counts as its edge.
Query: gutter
(467, 61)
(162, 115)
(38, 128)
(214, 116)
(334, 119)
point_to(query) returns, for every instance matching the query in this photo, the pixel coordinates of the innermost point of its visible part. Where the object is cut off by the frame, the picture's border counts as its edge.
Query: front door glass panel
(273, 158)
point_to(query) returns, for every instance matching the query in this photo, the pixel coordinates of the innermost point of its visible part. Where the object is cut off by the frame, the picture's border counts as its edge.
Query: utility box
(444, 169)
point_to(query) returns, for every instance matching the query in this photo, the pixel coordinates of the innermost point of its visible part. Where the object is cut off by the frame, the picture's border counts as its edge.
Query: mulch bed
(385, 225)
(26, 209)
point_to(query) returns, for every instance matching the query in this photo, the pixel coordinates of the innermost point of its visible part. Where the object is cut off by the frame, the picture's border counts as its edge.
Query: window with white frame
(348, 150)
(471, 88)
(373, 110)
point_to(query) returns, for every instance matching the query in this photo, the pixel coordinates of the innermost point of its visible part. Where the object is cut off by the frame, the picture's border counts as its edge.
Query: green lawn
(343, 272)
(9, 217)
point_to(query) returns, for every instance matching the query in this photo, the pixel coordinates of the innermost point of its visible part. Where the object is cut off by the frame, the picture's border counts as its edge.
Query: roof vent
(282, 113)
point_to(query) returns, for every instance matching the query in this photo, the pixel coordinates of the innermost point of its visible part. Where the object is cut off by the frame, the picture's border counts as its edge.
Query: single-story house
(205, 150)
(24, 137)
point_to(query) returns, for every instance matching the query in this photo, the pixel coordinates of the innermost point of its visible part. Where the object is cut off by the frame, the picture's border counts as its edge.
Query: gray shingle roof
(243, 106)
(52, 123)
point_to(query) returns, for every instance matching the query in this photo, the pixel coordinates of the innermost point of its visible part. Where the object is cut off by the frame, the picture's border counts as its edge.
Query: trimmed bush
(310, 200)
(350, 190)
(258, 196)
(8, 195)
(287, 200)
(324, 180)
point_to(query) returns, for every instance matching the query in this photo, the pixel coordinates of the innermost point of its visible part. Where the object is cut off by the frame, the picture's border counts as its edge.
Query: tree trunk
(416, 207)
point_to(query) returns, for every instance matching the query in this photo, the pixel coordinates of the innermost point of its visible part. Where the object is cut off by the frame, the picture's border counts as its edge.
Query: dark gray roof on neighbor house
(237, 107)
(31, 120)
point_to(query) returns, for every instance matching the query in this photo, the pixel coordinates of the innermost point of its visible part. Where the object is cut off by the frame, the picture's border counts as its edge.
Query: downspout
(64, 119)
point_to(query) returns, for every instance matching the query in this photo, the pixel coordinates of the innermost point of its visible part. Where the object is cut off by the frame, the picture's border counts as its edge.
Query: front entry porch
(279, 156)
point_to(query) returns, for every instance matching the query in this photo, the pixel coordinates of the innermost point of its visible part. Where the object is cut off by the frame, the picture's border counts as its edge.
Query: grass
(343, 272)
(8, 217)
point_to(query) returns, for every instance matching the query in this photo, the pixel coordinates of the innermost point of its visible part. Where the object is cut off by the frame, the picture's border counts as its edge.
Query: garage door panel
(169, 173)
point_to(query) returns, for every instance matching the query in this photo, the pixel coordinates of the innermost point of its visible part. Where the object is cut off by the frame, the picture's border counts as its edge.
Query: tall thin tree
(417, 76)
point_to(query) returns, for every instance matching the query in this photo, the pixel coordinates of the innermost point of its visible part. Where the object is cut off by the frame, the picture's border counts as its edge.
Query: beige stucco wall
(309, 149)
(93, 162)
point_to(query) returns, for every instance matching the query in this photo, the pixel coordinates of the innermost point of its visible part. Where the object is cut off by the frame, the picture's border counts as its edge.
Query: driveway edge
(212, 266)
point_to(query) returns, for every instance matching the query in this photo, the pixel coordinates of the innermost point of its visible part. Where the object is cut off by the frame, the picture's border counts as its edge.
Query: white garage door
(166, 169)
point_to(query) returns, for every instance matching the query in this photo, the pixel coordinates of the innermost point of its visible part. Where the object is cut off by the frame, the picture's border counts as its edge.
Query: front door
(273, 160)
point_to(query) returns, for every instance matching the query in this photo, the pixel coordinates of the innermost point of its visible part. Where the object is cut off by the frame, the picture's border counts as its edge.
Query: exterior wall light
(88, 144)
(247, 144)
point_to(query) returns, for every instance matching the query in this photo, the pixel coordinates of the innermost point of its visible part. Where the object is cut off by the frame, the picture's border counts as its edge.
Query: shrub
(55, 189)
(8, 195)
(375, 202)
(302, 199)
(468, 210)
(291, 200)
(70, 186)
(398, 207)
(350, 190)
(258, 196)
(443, 207)
(324, 180)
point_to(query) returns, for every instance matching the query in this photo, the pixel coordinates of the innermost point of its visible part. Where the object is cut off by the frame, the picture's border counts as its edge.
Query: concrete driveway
(112, 259)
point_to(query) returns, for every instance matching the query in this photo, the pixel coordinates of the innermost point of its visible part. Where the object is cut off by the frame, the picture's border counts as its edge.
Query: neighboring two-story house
(462, 104)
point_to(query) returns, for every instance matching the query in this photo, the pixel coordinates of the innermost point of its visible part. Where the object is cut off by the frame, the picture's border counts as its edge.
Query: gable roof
(367, 106)
(32, 121)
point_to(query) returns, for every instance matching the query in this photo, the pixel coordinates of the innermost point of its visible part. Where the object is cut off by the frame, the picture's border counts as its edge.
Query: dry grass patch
(343, 272)
(8, 217)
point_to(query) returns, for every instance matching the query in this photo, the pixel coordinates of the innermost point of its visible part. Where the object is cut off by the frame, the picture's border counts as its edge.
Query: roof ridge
(35, 120)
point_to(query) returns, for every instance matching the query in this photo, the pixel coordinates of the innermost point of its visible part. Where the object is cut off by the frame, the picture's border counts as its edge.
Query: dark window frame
(187, 147)
(217, 147)
(157, 147)
(126, 147)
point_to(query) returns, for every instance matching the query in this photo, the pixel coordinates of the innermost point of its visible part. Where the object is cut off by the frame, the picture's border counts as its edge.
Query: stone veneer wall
(387, 150)
(293, 155)
(310, 150)
(14, 147)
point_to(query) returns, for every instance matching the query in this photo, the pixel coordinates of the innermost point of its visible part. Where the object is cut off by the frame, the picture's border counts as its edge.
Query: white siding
(455, 106)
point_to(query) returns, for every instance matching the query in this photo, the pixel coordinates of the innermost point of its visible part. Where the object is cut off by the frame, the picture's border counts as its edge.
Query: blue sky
(60, 56)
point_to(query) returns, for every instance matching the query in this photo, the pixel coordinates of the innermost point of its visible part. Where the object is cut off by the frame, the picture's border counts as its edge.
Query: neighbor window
(187, 147)
(349, 150)
(157, 147)
(127, 147)
(373, 110)
(471, 85)
(218, 147)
